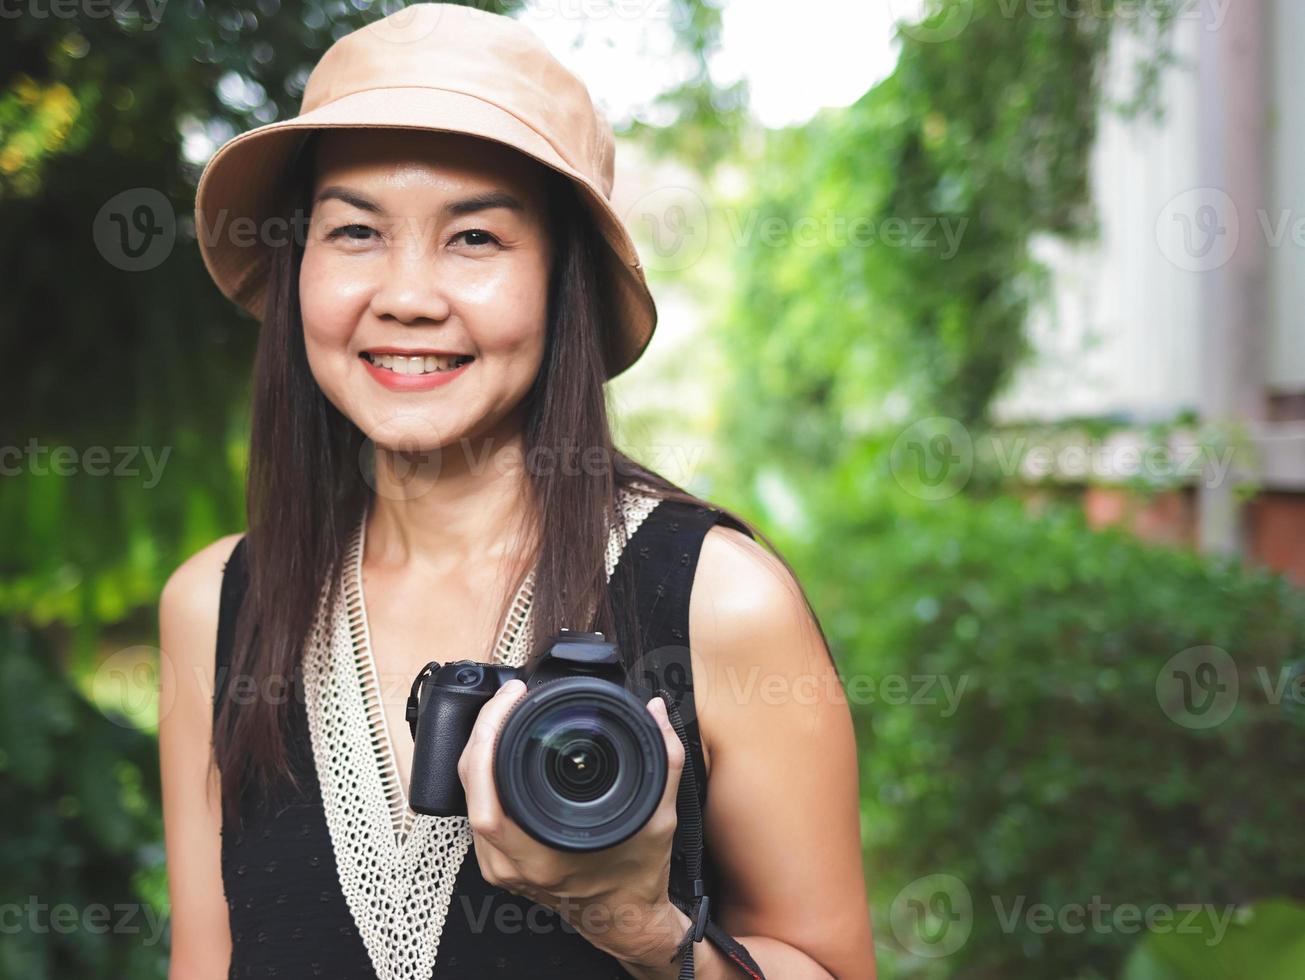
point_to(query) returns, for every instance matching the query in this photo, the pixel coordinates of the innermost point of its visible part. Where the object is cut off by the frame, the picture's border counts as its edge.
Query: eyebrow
(467, 205)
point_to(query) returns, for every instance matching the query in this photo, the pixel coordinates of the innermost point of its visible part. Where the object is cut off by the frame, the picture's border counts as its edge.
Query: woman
(443, 288)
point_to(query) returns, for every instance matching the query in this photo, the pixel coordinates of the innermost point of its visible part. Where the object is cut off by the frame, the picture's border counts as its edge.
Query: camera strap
(413, 706)
(689, 834)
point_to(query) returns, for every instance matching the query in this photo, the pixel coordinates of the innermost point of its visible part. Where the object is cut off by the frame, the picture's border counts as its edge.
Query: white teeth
(420, 364)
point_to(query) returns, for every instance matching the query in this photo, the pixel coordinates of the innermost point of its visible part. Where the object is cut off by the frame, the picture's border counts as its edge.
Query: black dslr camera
(579, 763)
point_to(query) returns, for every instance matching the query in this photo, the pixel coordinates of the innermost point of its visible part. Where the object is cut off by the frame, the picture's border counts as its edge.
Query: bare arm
(192, 819)
(783, 813)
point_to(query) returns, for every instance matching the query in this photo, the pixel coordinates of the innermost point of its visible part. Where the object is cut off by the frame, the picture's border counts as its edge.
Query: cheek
(505, 305)
(332, 298)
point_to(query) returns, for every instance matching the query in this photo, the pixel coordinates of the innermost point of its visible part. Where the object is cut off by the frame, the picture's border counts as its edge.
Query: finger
(491, 860)
(476, 765)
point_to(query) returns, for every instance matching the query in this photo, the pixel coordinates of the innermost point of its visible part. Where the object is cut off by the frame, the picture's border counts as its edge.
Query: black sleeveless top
(287, 911)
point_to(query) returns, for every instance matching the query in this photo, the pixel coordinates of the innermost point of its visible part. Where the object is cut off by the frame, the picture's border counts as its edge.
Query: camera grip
(443, 730)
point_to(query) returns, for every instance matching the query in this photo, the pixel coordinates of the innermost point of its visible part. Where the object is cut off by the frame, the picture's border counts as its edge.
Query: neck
(466, 501)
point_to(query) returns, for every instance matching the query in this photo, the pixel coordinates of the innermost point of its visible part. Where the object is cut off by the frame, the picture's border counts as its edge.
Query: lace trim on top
(396, 867)
(510, 649)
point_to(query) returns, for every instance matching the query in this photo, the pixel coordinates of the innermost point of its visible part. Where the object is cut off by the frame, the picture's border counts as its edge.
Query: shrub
(1266, 941)
(1067, 770)
(80, 852)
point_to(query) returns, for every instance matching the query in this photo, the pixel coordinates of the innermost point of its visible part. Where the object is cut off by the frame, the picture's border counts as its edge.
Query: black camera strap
(414, 697)
(689, 834)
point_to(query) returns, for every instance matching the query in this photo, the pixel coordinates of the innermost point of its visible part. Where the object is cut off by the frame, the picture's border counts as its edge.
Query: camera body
(579, 762)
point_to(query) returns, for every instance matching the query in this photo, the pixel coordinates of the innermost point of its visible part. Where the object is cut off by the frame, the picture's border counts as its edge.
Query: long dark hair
(306, 490)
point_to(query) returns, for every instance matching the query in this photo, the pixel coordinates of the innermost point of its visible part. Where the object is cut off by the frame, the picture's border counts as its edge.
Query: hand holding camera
(579, 763)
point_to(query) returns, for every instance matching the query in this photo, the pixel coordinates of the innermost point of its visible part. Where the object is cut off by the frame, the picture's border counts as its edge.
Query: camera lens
(582, 768)
(580, 764)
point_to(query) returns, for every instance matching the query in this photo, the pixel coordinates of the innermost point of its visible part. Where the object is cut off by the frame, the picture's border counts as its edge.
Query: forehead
(404, 157)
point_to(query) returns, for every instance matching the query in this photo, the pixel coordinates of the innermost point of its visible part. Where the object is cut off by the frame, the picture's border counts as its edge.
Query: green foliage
(80, 852)
(1266, 941)
(911, 295)
(1056, 772)
(706, 120)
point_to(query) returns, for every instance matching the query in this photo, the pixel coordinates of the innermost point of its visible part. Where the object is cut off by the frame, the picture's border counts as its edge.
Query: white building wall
(1285, 219)
(1122, 332)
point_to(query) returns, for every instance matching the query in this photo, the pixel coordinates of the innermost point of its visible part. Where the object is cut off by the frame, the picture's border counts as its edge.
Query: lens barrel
(580, 764)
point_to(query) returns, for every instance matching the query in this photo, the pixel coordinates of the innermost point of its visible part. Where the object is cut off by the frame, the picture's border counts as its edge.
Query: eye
(354, 232)
(482, 237)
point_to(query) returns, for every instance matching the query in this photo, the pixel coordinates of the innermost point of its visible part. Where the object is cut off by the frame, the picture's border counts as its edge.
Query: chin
(412, 435)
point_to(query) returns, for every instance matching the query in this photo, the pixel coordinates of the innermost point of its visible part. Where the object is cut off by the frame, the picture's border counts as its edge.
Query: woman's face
(424, 249)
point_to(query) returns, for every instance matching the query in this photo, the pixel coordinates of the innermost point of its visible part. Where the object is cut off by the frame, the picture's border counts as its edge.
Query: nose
(409, 289)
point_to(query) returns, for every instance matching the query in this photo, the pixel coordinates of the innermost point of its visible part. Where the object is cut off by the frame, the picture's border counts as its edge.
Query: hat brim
(240, 181)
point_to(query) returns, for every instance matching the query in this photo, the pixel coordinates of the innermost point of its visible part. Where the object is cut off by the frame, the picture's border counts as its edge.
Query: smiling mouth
(419, 364)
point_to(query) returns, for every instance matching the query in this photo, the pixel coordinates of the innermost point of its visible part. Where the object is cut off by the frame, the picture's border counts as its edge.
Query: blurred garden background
(988, 311)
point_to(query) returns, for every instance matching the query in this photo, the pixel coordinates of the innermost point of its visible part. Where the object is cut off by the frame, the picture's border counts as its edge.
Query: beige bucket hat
(437, 66)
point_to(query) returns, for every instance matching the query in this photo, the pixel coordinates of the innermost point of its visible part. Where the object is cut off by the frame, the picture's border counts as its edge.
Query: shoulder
(740, 587)
(189, 603)
(758, 651)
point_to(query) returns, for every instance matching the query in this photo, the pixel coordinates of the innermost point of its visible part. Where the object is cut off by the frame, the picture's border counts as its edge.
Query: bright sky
(796, 58)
